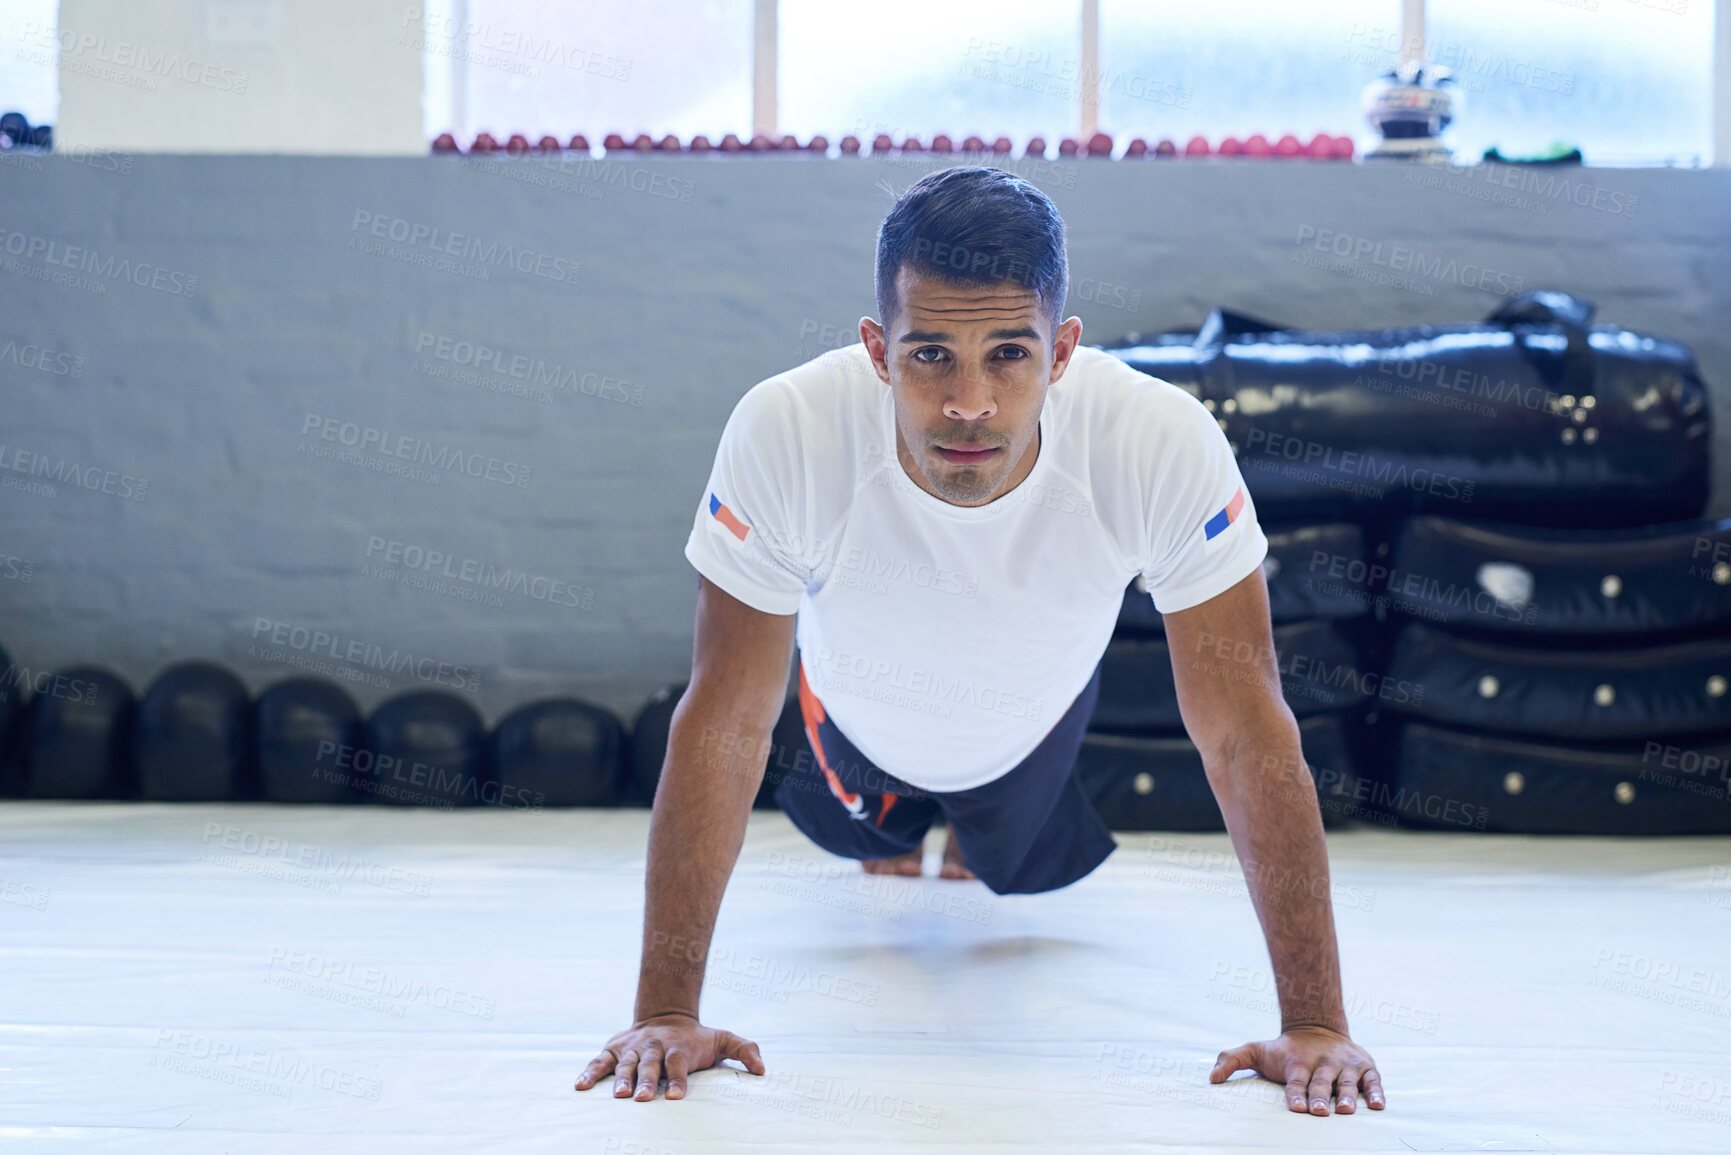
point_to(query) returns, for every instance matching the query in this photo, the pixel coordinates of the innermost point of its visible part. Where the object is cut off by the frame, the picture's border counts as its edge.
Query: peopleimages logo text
(433, 239)
(92, 263)
(1403, 259)
(364, 438)
(481, 573)
(94, 478)
(308, 640)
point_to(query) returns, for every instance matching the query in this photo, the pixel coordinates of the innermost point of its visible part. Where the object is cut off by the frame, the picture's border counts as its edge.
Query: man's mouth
(966, 452)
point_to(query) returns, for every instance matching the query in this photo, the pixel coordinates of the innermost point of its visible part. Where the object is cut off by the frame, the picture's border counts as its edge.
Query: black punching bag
(80, 735)
(193, 736)
(559, 752)
(309, 733)
(11, 723)
(428, 749)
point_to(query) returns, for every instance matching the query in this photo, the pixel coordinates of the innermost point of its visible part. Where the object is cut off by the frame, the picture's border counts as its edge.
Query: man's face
(968, 366)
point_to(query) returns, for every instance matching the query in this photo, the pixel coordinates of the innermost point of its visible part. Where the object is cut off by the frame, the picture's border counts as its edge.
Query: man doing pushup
(945, 516)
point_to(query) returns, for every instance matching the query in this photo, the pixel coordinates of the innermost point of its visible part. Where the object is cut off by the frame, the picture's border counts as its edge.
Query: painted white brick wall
(683, 282)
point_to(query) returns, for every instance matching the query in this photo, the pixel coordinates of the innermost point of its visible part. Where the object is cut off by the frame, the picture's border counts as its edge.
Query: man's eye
(1013, 353)
(937, 355)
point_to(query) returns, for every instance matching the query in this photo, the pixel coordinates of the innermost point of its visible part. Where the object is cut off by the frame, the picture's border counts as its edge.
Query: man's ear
(1064, 345)
(876, 343)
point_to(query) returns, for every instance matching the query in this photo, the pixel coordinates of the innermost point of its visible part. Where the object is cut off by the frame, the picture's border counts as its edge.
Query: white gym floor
(263, 979)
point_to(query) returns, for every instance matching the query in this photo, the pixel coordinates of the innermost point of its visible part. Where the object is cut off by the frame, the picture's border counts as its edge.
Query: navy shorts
(1029, 830)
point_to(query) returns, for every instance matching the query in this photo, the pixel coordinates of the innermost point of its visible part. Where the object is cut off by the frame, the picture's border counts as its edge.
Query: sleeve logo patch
(726, 517)
(1217, 525)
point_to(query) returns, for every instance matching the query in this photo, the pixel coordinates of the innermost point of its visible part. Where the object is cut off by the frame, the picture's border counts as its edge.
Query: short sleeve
(1204, 537)
(746, 537)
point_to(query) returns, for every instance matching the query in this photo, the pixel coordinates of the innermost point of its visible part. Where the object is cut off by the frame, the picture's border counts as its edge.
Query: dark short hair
(974, 225)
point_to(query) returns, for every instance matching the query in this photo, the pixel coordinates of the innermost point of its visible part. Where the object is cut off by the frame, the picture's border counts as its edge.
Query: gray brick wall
(201, 505)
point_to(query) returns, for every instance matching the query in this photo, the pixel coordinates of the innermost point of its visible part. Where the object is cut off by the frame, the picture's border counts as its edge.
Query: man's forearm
(713, 769)
(1269, 802)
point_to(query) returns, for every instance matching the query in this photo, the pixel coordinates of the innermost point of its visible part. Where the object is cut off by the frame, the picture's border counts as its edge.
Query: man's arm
(716, 749)
(1228, 682)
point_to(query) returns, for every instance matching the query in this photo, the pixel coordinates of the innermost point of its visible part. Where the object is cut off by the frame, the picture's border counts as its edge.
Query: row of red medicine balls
(1322, 146)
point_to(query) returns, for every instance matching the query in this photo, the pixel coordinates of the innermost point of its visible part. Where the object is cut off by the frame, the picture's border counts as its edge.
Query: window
(590, 66)
(1237, 67)
(921, 67)
(29, 60)
(1628, 81)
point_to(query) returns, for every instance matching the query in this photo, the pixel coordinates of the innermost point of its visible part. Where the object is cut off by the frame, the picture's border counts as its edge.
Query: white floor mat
(266, 980)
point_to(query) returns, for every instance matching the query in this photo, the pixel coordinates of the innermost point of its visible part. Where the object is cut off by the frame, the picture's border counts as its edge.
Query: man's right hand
(718, 744)
(674, 1045)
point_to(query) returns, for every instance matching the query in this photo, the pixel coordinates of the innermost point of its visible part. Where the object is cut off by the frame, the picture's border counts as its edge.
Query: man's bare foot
(952, 866)
(909, 864)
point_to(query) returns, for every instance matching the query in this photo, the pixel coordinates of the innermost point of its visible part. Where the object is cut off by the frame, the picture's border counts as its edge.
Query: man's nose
(971, 401)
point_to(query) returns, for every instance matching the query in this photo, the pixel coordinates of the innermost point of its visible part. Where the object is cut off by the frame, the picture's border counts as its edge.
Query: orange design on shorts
(811, 712)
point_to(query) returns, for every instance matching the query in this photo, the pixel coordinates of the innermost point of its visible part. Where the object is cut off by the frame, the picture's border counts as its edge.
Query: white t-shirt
(946, 641)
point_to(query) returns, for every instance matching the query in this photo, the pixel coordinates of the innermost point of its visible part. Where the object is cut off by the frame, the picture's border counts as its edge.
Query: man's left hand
(1315, 1063)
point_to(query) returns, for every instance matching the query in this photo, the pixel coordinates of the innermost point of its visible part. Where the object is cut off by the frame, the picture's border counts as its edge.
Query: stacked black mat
(1137, 763)
(1501, 525)
(1582, 684)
